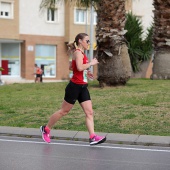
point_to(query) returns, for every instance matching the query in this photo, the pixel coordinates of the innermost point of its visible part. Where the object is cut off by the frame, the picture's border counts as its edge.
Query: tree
(139, 46)
(114, 64)
(114, 67)
(161, 40)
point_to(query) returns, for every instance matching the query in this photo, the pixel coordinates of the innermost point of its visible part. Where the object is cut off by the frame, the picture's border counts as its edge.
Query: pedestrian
(77, 90)
(38, 73)
(41, 75)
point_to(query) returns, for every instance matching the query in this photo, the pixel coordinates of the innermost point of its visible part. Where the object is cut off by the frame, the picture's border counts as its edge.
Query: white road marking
(99, 146)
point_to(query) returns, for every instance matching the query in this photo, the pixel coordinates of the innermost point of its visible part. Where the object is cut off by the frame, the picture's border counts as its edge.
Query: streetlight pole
(91, 34)
(86, 27)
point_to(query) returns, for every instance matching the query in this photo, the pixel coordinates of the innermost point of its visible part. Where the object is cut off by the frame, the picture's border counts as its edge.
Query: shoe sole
(42, 135)
(99, 142)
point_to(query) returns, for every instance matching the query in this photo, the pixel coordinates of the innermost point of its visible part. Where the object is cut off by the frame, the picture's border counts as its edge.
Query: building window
(45, 57)
(80, 16)
(10, 53)
(6, 9)
(95, 18)
(52, 15)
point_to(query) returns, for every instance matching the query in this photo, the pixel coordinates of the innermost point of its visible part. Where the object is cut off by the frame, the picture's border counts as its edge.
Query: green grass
(140, 107)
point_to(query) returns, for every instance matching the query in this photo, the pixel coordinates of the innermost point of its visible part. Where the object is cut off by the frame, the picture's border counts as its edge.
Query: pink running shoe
(45, 134)
(97, 140)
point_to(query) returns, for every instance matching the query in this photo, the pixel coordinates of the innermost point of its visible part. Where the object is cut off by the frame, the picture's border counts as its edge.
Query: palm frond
(47, 4)
(79, 3)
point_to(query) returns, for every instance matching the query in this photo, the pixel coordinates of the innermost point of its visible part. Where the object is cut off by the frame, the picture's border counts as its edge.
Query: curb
(112, 138)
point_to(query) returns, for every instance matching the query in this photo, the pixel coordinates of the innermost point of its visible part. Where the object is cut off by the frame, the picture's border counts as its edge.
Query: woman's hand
(94, 61)
(90, 75)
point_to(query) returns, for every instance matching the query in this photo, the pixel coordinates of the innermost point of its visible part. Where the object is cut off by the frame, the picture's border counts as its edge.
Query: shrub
(1, 69)
(139, 48)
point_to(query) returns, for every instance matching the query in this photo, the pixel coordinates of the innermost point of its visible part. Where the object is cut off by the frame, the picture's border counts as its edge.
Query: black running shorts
(75, 92)
(38, 75)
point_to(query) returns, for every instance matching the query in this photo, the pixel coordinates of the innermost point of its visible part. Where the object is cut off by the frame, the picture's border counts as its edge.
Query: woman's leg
(65, 108)
(45, 130)
(88, 110)
(35, 78)
(94, 139)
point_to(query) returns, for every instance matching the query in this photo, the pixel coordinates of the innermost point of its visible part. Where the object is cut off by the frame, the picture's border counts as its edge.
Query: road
(33, 154)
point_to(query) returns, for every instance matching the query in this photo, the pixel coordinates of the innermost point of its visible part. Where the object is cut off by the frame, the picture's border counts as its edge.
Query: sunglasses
(88, 41)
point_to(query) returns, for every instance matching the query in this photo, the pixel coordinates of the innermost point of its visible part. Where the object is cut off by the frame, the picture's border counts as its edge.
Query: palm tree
(161, 39)
(114, 64)
(114, 68)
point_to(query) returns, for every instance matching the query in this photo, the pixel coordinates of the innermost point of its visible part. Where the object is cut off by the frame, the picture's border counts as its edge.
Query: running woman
(77, 90)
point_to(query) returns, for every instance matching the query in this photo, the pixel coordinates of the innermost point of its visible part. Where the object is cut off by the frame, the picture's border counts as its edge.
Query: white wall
(144, 8)
(33, 22)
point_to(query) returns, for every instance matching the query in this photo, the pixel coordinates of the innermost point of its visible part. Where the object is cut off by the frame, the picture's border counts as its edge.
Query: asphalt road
(33, 154)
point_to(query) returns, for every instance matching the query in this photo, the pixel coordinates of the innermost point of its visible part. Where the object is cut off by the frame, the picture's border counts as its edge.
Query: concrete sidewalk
(115, 138)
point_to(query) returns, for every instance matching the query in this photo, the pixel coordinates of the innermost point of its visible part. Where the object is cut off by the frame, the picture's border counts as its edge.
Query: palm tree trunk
(161, 39)
(114, 64)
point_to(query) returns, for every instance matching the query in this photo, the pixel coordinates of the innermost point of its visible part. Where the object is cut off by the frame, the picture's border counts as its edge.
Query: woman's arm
(70, 66)
(79, 61)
